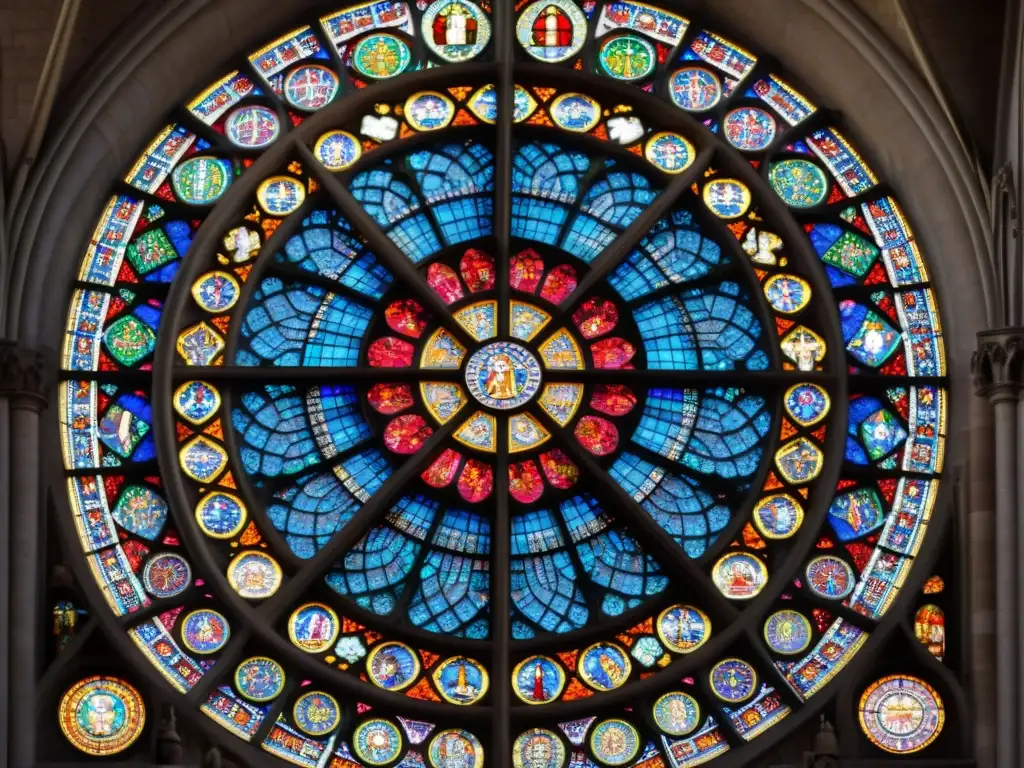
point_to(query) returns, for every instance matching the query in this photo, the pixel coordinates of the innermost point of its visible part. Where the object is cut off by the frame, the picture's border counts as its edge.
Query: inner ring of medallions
(503, 375)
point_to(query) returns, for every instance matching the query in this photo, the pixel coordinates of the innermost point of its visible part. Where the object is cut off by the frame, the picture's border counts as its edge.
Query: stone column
(997, 365)
(23, 383)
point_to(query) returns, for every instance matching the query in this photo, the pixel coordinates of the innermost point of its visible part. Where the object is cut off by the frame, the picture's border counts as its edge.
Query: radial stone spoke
(668, 553)
(613, 255)
(383, 248)
(354, 530)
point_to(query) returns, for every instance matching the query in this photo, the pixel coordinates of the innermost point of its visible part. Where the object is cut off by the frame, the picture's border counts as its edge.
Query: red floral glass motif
(445, 282)
(407, 317)
(597, 435)
(612, 353)
(524, 482)
(477, 269)
(390, 352)
(389, 399)
(525, 271)
(476, 481)
(406, 434)
(595, 317)
(613, 399)
(443, 470)
(559, 469)
(560, 282)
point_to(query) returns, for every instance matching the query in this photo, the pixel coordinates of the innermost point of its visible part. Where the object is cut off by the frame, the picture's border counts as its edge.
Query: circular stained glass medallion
(221, 515)
(311, 86)
(552, 30)
(201, 180)
(281, 195)
(615, 742)
(215, 291)
(727, 198)
(337, 150)
(252, 126)
(733, 680)
(800, 183)
(538, 680)
(456, 748)
(538, 748)
(695, 89)
(196, 401)
(750, 129)
(901, 714)
(166, 575)
(677, 713)
(670, 152)
(377, 742)
(778, 516)
(503, 375)
(313, 628)
(205, 631)
(740, 575)
(787, 632)
(381, 56)
(787, 294)
(807, 404)
(254, 575)
(830, 577)
(428, 110)
(102, 715)
(604, 666)
(627, 57)
(575, 112)
(317, 713)
(259, 679)
(460, 680)
(393, 666)
(683, 628)
(456, 30)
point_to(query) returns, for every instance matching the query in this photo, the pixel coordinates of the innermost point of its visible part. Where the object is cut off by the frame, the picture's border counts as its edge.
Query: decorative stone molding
(998, 363)
(25, 374)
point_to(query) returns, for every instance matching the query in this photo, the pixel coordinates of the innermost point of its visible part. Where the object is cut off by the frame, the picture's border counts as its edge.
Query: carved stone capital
(998, 363)
(25, 374)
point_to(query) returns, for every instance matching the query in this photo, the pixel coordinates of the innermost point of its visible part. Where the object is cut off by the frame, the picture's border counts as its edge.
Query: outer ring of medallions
(646, 107)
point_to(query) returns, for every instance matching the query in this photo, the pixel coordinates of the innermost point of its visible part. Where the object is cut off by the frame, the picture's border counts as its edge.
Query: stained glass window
(357, 409)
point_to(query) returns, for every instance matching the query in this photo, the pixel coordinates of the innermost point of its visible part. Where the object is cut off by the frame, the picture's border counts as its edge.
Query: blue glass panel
(454, 589)
(337, 418)
(548, 171)
(394, 205)
(720, 433)
(675, 251)
(617, 198)
(328, 246)
(311, 511)
(374, 571)
(677, 502)
(275, 437)
(290, 324)
(538, 220)
(453, 173)
(587, 237)
(613, 559)
(543, 576)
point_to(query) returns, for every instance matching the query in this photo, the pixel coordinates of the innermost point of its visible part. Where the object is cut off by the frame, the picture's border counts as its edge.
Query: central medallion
(503, 375)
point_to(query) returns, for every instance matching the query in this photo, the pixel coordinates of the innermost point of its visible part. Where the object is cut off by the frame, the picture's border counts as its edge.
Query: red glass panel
(559, 283)
(443, 470)
(476, 481)
(595, 317)
(525, 271)
(445, 282)
(406, 317)
(597, 435)
(390, 352)
(524, 482)
(612, 353)
(406, 434)
(559, 469)
(389, 399)
(613, 399)
(477, 269)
